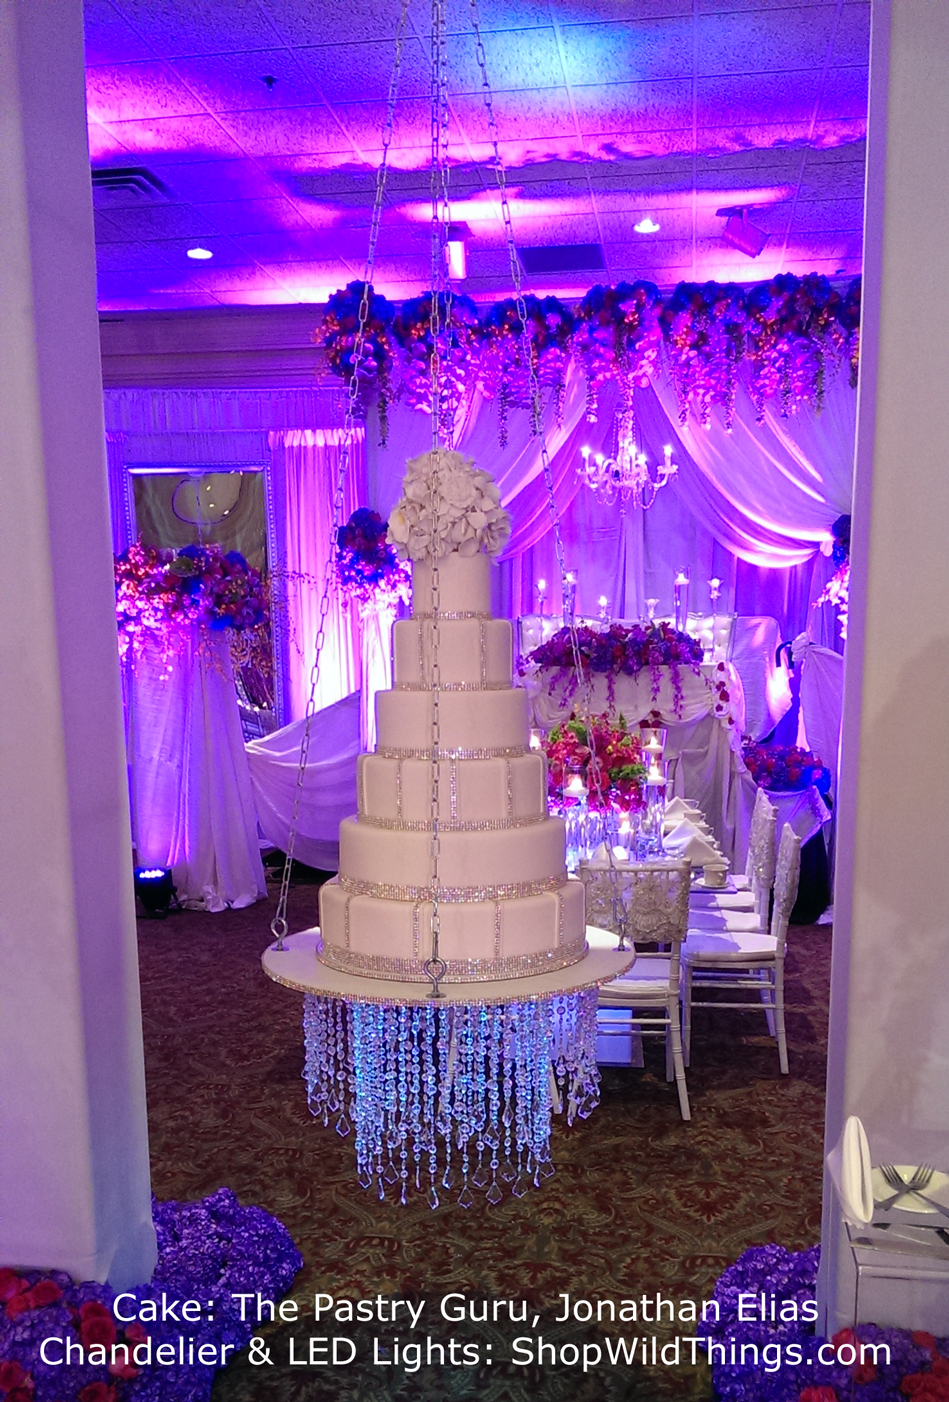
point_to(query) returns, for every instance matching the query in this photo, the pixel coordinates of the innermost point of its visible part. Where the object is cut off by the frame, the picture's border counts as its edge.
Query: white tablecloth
(192, 805)
(710, 768)
(766, 685)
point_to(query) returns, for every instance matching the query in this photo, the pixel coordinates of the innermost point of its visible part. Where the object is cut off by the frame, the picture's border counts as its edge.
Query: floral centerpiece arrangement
(447, 504)
(367, 567)
(201, 585)
(210, 1250)
(837, 589)
(505, 363)
(704, 329)
(784, 767)
(338, 334)
(786, 1361)
(607, 755)
(616, 651)
(617, 337)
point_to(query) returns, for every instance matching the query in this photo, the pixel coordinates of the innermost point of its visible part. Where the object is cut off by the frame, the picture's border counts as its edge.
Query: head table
(704, 722)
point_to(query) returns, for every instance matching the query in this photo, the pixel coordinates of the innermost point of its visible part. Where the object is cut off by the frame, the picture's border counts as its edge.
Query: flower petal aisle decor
(615, 651)
(375, 582)
(123, 1351)
(337, 335)
(786, 1361)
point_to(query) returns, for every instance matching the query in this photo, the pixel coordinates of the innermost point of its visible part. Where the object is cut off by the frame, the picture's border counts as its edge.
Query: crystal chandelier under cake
(451, 997)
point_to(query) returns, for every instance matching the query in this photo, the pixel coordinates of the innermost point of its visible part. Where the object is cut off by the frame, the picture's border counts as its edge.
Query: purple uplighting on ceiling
(262, 122)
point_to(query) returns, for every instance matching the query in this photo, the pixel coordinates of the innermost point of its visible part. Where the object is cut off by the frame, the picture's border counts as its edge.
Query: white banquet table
(707, 745)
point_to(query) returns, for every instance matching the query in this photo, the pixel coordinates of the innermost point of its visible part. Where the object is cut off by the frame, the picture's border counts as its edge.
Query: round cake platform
(296, 966)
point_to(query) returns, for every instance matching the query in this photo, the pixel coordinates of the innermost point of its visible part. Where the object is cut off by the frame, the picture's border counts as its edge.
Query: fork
(920, 1178)
(892, 1177)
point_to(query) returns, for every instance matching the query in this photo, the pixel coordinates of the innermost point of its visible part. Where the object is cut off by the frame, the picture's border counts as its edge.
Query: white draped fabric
(755, 643)
(306, 465)
(329, 792)
(707, 748)
(192, 805)
(375, 639)
(822, 688)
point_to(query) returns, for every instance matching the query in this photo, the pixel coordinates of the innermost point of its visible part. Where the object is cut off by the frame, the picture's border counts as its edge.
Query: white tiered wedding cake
(506, 909)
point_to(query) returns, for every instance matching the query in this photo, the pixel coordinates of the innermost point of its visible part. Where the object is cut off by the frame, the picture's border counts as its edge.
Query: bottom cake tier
(478, 940)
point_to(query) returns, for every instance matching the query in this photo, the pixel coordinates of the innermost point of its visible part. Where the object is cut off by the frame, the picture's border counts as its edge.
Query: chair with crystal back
(737, 960)
(647, 903)
(753, 896)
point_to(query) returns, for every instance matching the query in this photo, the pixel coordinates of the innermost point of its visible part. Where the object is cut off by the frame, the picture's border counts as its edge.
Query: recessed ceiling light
(200, 253)
(646, 225)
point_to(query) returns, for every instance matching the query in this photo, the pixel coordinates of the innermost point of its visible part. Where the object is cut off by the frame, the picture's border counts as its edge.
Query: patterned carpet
(640, 1203)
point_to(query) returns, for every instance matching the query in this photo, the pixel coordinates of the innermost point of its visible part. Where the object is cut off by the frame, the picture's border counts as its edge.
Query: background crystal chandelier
(626, 476)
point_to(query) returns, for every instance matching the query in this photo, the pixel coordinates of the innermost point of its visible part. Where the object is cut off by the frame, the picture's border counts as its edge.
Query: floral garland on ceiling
(460, 337)
(505, 368)
(791, 332)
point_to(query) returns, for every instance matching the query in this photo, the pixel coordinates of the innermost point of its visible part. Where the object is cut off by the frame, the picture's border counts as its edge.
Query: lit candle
(575, 787)
(714, 589)
(536, 740)
(651, 606)
(680, 594)
(570, 598)
(541, 594)
(603, 602)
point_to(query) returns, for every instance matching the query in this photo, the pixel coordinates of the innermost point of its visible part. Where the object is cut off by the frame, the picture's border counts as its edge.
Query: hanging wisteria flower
(447, 504)
(794, 336)
(505, 361)
(459, 345)
(339, 335)
(617, 336)
(704, 330)
(616, 651)
(367, 566)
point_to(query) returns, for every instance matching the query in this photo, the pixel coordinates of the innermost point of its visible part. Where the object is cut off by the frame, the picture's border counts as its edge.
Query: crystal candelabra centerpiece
(626, 476)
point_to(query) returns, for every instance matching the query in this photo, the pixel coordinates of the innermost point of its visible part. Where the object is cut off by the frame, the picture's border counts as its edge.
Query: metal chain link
(278, 925)
(536, 407)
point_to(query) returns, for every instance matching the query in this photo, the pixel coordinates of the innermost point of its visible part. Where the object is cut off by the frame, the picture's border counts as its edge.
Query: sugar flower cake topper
(447, 504)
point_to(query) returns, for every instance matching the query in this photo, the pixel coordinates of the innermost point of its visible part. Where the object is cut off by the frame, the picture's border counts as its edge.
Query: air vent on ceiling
(563, 258)
(137, 179)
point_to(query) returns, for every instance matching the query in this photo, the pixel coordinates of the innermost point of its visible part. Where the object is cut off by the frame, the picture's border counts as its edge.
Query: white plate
(936, 1188)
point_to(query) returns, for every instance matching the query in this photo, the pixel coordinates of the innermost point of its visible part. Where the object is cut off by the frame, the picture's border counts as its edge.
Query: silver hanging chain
(536, 407)
(435, 966)
(278, 926)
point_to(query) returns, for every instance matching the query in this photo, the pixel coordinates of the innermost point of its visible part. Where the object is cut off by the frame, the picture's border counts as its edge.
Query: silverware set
(909, 1187)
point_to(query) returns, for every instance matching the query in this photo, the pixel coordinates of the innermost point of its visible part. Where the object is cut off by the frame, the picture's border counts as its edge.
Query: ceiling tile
(819, 216)
(289, 131)
(160, 140)
(852, 40)
(846, 96)
(752, 99)
(627, 52)
(109, 37)
(254, 216)
(758, 41)
(304, 23)
(117, 92)
(211, 26)
(332, 67)
(235, 82)
(513, 58)
(532, 112)
(633, 107)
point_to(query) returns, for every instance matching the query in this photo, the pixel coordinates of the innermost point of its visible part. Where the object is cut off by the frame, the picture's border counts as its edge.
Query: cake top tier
(447, 506)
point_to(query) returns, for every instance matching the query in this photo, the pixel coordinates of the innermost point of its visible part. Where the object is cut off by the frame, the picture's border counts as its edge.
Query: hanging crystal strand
(342, 1011)
(508, 1172)
(415, 1095)
(389, 1046)
(464, 1077)
(480, 1177)
(399, 1117)
(279, 927)
(493, 1132)
(447, 1040)
(429, 1077)
(543, 1102)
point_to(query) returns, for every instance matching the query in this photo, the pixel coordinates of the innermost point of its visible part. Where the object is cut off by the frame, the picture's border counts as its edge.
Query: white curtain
(305, 466)
(192, 805)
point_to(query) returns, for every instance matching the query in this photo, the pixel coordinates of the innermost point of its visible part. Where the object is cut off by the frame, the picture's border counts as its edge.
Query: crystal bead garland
(460, 1092)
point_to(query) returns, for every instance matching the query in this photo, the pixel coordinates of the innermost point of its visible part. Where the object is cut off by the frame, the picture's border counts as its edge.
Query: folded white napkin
(686, 841)
(602, 854)
(849, 1165)
(681, 807)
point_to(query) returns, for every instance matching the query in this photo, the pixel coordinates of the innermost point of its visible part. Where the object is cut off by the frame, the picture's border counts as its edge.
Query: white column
(889, 1023)
(74, 1179)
